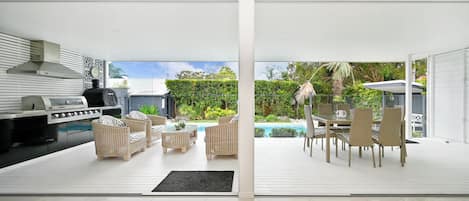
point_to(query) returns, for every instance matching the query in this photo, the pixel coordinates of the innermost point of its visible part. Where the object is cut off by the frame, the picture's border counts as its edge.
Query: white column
(409, 76)
(106, 74)
(466, 96)
(430, 96)
(246, 98)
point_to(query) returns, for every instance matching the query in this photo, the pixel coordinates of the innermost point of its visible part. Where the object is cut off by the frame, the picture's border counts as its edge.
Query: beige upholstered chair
(389, 133)
(225, 120)
(222, 139)
(324, 109)
(360, 132)
(313, 133)
(154, 126)
(114, 141)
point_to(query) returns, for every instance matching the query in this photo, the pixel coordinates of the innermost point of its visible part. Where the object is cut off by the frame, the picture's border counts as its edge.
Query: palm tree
(340, 71)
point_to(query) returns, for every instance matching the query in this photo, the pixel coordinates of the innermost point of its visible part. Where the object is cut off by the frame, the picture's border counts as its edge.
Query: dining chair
(324, 109)
(360, 133)
(313, 133)
(389, 133)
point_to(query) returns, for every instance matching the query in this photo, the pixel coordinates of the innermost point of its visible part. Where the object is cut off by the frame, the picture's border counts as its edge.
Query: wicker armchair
(154, 127)
(222, 139)
(113, 141)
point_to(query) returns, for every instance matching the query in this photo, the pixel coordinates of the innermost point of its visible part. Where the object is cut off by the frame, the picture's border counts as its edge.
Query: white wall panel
(15, 51)
(449, 75)
(467, 97)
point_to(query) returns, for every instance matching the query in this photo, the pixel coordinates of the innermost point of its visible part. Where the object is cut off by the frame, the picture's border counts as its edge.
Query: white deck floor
(281, 168)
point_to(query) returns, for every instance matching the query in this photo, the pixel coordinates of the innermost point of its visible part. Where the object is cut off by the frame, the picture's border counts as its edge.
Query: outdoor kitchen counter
(35, 113)
(107, 107)
(21, 114)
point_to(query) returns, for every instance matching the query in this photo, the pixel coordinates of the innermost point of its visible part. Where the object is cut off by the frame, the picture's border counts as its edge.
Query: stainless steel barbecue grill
(61, 109)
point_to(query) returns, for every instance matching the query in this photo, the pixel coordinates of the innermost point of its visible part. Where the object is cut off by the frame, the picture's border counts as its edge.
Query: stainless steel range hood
(45, 61)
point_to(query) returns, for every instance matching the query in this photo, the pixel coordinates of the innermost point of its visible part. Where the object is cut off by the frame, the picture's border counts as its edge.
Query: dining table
(332, 120)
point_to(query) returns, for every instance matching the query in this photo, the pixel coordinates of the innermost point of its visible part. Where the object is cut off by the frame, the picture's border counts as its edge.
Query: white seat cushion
(157, 128)
(137, 136)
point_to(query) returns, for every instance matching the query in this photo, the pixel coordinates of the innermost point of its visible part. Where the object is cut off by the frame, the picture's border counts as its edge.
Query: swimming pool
(299, 127)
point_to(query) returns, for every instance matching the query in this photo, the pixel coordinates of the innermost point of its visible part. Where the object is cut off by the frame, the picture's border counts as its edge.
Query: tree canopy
(116, 72)
(224, 73)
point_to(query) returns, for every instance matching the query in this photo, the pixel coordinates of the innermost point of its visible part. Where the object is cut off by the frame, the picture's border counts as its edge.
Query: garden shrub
(362, 97)
(188, 111)
(301, 133)
(149, 109)
(216, 112)
(259, 118)
(283, 132)
(271, 118)
(259, 132)
(271, 97)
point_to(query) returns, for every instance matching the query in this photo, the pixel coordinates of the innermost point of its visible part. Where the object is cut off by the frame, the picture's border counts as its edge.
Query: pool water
(267, 126)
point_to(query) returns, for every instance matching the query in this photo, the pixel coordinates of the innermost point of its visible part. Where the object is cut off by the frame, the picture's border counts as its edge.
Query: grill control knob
(69, 114)
(62, 115)
(81, 112)
(97, 111)
(56, 115)
(75, 113)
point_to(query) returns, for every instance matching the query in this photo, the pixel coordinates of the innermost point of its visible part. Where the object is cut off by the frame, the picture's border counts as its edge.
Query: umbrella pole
(311, 100)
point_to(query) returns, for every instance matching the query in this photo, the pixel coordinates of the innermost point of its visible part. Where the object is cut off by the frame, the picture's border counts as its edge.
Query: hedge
(271, 97)
(259, 132)
(283, 132)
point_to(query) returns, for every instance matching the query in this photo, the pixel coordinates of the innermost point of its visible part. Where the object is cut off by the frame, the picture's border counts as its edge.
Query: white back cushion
(111, 121)
(137, 115)
(235, 118)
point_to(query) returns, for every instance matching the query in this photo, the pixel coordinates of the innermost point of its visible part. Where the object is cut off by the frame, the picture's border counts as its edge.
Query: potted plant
(180, 125)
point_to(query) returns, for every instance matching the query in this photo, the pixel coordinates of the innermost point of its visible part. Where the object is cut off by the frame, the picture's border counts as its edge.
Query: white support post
(409, 76)
(246, 27)
(106, 74)
(430, 96)
(465, 101)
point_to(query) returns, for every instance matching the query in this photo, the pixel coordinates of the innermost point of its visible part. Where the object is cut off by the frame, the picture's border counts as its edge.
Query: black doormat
(411, 142)
(197, 181)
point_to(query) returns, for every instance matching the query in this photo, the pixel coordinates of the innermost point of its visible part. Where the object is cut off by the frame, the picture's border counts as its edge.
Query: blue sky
(168, 70)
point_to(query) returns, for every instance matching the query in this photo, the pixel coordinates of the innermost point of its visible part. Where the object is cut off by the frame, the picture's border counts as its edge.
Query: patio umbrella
(306, 90)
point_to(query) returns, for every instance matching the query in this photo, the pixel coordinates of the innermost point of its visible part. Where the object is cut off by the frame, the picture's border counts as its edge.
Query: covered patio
(267, 30)
(282, 168)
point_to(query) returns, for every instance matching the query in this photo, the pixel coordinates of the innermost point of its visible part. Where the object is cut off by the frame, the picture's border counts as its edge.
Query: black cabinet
(61, 142)
(33, 130)
(78, 132)
(22, 152)
(6, 127)
(59, 137)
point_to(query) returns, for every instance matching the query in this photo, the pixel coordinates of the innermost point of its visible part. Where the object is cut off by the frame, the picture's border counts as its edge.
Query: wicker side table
(178, 139)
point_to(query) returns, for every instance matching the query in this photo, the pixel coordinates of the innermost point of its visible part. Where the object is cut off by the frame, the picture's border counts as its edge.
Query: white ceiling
(326, 31)
(130, 31)
(358, 31)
